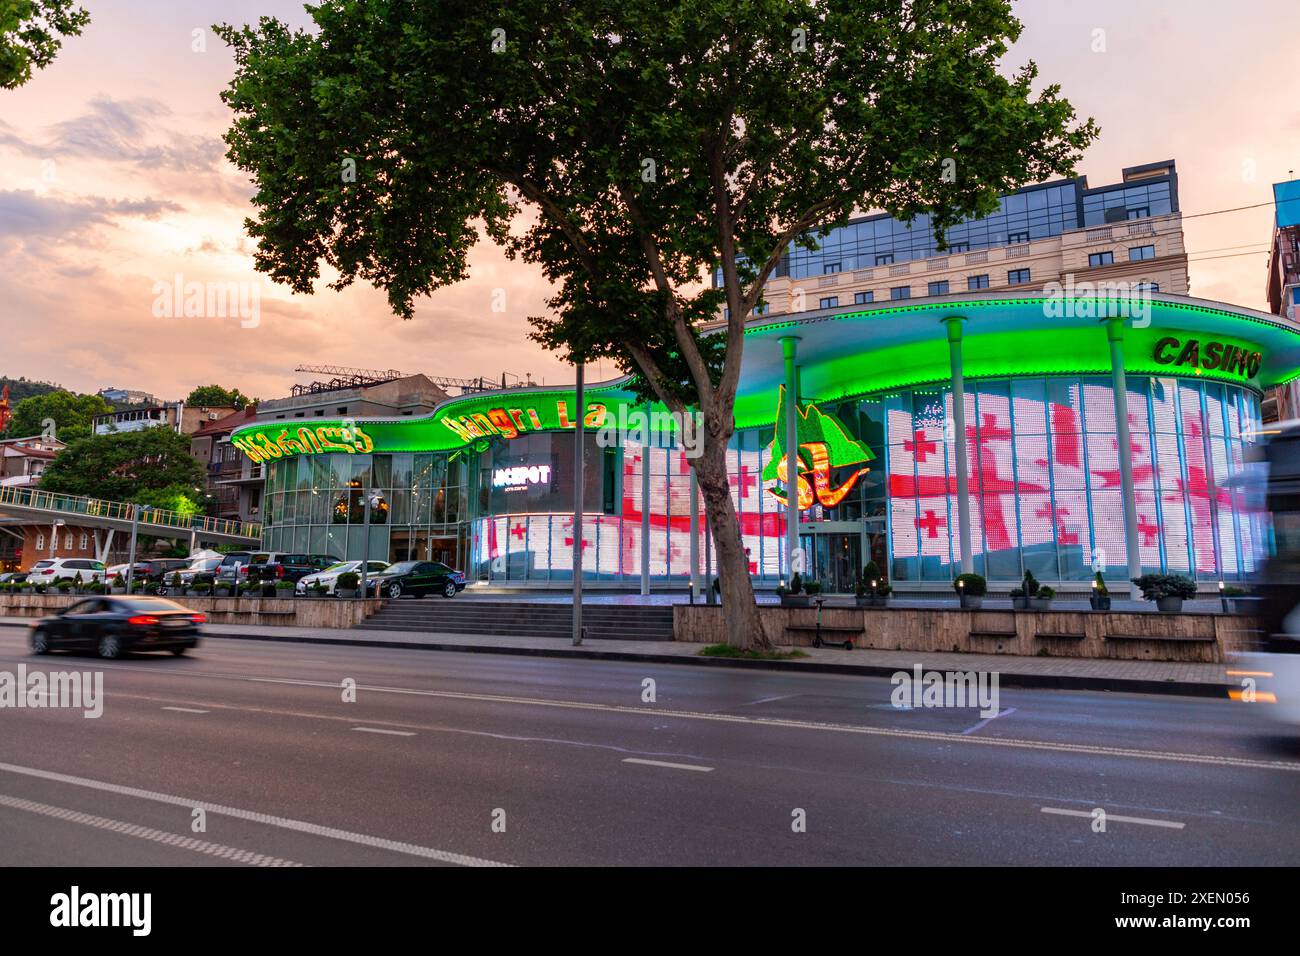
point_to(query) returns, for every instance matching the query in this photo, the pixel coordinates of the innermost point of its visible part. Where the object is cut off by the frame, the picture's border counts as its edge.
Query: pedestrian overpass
(33, 506)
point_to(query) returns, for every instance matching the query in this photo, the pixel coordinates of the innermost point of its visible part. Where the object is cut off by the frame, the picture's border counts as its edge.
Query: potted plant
(1169, 591)
(250, 589)
(266, 588)
(1042, 601)
(970, 589)
(812, 588)
(63, 585)
(347, 584)
(138, 586)
(317, 590)
(1100, 597)
(119, 584)
(176, 586)
(95, 587)
(284, 588)
(78, 585)
(794, 595)
(202, 589)
(872, 588)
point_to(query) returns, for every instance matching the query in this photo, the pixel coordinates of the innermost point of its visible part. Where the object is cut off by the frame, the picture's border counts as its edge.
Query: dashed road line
(665, 763)
(381, 730)
(188, 710)
(1116, 818)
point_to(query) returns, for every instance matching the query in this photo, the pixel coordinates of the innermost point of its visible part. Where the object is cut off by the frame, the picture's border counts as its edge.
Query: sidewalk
(1134, 677)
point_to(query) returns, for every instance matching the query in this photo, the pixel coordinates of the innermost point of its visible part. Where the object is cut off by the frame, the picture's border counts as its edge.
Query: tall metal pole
(645, 507)
(695, 538)
(579, 479)
(130, 559)
(1115, 333)
(365, 553)
(789, 349)
(953, 322)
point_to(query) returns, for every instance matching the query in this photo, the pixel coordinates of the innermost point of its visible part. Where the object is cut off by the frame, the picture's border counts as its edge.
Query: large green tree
(152, 466)
(629, 147)
(214, 396)
(72, 414)
(31, 33)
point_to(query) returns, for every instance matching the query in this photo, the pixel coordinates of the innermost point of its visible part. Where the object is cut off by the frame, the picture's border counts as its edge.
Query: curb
(1006, 679)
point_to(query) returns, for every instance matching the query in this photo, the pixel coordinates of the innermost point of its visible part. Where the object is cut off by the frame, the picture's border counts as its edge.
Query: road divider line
(1094, 750)
(177, 840)
(665, 763)
(188, 710)
(1116, 818)
(252, 816)
(380, 730)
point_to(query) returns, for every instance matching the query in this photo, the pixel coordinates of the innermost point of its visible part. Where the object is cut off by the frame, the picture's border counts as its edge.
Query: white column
(645, 506)
(953, 322)
(1119, 385)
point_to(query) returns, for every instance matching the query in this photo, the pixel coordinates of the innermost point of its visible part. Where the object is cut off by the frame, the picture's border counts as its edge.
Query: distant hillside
(20, 388)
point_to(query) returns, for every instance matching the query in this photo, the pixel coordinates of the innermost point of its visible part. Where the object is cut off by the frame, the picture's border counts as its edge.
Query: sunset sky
(115, 179)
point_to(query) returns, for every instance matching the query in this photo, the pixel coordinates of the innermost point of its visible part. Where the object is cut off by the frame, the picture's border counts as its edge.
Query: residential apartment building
(411, 395)
(23, 460)
(232, 481)
(1056, 232)
(179, 417)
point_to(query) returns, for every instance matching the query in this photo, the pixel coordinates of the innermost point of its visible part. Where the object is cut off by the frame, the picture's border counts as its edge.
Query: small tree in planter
(119, 584)
(138, 586)
(284, 588)
(176, 585)
(813, 588)
(317, 590)
(971, 589)
(78, 585)
(347, 584)
(1023, 596)
(1100, 597)
(250, 589)
(794, 595)
(1169, 591)
(64, 585)
(1042, 601)
(872, 588)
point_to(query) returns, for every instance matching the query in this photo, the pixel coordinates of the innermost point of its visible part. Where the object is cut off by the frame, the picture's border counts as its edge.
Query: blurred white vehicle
(330, 576)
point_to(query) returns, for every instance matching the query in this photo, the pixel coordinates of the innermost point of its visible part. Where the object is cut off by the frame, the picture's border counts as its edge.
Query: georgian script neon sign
(323, 439)
(823, 444)
(506, 422)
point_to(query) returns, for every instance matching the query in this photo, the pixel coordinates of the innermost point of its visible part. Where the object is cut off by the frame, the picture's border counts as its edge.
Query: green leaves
(152, 466)
(633, 147)
(30, 35)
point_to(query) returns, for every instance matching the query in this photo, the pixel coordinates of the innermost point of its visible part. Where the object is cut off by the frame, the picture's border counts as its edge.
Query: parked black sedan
(113, 626)
(416, 578)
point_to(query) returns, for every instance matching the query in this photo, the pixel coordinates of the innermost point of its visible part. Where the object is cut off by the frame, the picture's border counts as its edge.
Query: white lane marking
(177, 840)
(380, 730)
(987, 720)
(1095, 750)
(187, 710)
(1116, 818)
(284, 823)
(665, 763)
(768, 700)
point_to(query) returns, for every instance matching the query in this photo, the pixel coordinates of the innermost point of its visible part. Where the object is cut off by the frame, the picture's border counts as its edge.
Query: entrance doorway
(834, 559)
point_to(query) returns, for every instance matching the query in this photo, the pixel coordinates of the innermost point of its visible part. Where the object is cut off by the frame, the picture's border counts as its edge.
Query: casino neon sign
(507, 422)
(261, 447)
(1214, 355)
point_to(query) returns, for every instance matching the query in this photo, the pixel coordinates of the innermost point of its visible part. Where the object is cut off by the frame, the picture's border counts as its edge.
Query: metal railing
(71, 505)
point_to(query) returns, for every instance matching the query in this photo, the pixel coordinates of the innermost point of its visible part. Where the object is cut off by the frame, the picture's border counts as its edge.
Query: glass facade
(1043, 479)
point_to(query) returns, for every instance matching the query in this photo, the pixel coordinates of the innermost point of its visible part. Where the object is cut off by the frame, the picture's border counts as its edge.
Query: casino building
(1104, 422)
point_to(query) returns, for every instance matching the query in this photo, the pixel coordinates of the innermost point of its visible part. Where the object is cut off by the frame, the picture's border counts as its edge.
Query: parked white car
(49, 570)
(330, 576)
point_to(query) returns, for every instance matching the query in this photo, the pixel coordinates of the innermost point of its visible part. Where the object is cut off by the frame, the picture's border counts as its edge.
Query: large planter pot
(116, 590)
(1020, 604)
(865, 600)
(796, 600)
(1099, 603)
(347, 593)
(1040, 604)
(972, 602)
(316, 594)
(1169, 605)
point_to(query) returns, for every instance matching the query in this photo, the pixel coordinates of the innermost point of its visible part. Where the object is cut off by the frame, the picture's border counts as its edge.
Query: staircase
(522, 619)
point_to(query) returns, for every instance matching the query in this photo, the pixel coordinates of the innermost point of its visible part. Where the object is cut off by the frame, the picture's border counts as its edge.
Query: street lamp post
(578, 481)
(135, 530)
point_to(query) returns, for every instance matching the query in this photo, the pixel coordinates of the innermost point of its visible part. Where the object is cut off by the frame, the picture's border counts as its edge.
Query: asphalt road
(474, 758)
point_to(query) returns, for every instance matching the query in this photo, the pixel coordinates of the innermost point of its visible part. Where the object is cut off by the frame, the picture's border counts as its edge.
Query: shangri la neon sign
(305, 441)
(823, 444)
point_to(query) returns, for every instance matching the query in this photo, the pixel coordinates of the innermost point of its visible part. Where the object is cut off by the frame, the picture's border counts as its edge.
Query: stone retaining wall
(286, 612)
(1104, 634)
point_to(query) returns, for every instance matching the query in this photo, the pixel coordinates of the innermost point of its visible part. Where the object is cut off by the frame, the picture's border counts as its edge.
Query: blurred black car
(115, 625)
(416, 578)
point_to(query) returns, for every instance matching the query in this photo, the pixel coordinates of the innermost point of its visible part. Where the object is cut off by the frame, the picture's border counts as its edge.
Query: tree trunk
(739, 609)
